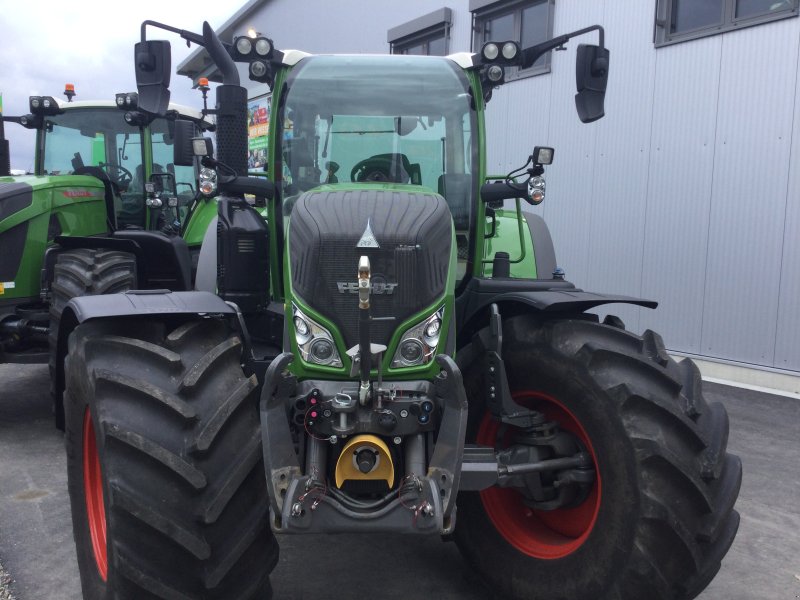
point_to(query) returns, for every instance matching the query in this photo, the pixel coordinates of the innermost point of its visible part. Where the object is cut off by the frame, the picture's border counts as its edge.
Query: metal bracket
(310, 510)
(448, 455)
(281, 465)
(497, 392)
(247, 343)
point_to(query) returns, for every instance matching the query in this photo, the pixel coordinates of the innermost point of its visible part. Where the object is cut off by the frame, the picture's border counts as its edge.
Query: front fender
(145, 303)
(543, 295)
(135, 303)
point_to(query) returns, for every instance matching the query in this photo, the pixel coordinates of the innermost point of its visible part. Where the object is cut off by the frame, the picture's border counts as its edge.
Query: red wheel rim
(541, 534)
(93, 491)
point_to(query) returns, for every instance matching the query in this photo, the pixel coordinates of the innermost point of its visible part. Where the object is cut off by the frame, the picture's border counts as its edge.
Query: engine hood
(405, 231)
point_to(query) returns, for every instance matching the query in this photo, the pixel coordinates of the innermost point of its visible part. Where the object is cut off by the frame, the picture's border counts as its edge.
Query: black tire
(177, 443)
(663, 511)
(83, 272)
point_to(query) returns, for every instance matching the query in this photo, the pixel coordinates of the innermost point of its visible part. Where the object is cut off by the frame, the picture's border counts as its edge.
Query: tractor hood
(18, 193)
(405, 232)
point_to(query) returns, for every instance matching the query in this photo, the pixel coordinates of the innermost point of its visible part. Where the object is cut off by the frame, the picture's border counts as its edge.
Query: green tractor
(103, 212)
(391, 350)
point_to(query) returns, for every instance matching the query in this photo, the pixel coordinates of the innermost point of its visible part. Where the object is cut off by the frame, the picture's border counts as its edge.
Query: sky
(88, 43)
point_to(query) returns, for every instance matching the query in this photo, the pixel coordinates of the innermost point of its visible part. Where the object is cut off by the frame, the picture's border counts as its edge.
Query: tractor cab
(126, 149)
(376, 121)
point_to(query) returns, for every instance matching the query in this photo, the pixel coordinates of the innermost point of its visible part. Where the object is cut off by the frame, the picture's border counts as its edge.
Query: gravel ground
(5, 582)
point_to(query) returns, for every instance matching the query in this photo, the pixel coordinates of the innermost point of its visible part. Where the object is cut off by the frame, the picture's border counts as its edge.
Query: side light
(536, 189)
(207, 180)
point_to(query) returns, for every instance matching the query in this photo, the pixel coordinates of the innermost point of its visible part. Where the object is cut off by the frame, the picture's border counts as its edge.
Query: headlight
(411, 351)
(418, 344)
(509, 50)
(314, 341)
(490, 51)
(258, 68)
(263, 46)
(495, 73)
(244, 45)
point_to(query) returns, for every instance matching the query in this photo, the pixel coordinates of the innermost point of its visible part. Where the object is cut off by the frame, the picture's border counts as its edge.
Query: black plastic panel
(12, 245)
(242, 255)
(14, 197)
(164, 259)
(147, 304)
(544, 295)
(413, 231)
(543, 248)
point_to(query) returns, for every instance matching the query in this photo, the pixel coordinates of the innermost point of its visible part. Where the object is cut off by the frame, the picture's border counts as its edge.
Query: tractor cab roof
(182, 110)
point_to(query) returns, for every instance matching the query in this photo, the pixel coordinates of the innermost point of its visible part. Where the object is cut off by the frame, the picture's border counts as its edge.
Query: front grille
(414, 233)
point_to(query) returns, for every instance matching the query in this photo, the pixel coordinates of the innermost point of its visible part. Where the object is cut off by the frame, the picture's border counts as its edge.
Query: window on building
(681, 20)
(428, 35)
(528, 22)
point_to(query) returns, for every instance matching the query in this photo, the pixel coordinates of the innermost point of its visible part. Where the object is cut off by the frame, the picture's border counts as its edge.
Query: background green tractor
(389, 352)
(95, 217)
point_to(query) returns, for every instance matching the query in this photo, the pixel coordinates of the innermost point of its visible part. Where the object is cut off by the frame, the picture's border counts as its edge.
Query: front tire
(659, 517)
(165, 469)
(83, 272)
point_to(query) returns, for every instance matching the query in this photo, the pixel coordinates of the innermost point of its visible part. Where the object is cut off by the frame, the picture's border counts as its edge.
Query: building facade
(687, 192)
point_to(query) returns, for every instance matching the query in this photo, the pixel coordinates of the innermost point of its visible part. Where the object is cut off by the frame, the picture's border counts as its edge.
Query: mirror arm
(187, 35)
(532, 54)
(209, 40)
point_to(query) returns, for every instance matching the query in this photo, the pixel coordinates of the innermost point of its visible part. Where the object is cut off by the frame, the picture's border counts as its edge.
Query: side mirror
(182, 151)
(153, 66)
(591, 78)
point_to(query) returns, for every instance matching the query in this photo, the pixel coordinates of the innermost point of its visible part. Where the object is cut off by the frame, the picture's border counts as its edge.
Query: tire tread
(186, 494)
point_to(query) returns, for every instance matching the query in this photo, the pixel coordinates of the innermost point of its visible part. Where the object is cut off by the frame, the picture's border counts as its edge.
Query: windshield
(396, 119)
(90, 137)
(98, 142)
(177, 179)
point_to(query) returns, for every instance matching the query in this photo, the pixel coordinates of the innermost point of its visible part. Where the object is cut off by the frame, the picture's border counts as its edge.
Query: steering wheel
(118, 175)
(371, 169)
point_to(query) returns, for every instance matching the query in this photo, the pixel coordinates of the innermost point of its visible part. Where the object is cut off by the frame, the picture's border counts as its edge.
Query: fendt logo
(78, 194)
(378, 287)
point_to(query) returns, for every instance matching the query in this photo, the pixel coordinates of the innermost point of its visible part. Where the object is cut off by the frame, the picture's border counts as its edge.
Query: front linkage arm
(549, 466)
